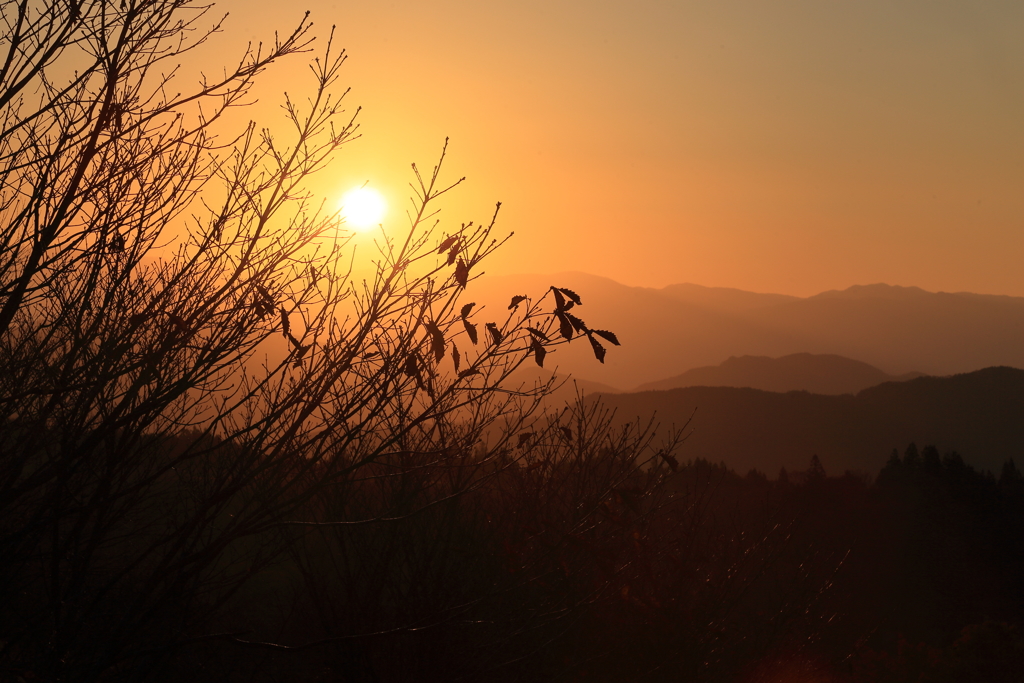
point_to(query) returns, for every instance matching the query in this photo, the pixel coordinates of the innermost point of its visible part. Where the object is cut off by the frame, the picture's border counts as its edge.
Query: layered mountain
(666, 332)
(816, 373)
(977, 414)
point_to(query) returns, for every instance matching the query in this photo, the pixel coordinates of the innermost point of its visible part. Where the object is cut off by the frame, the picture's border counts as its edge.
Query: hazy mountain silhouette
(977, 414)
(665, 332)
(816, 373)
(529, 376)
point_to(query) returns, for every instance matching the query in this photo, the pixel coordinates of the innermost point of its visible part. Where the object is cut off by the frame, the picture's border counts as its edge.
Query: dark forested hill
(978, 414)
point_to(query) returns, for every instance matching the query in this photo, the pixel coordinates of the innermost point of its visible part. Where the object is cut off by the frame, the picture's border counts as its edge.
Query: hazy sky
(774, 146)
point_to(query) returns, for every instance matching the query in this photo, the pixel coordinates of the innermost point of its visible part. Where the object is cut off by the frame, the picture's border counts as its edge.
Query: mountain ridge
(827, 374)
(666, 332)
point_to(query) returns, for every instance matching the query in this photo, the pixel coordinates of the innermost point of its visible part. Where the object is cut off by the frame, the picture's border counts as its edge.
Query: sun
(362, 208)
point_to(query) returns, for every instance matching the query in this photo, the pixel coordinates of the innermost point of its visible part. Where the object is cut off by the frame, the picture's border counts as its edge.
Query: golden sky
(784, 146)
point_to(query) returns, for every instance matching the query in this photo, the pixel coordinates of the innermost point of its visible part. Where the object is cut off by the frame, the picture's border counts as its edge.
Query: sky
(785, 146)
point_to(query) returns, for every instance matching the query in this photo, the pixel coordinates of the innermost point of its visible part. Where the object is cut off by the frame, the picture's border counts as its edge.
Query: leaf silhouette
(559, 299)
(411, 369)
(139, 318)
(470, 330)
(436, 340)
(538, 352)
(262, 309)
(468, 372)
(516, 300)
(462, 273)
(564, 326)
(456, 358)
(567, 433)
(598, 349)
(610, 336)
(524, 438)
(446, 245)
(265, 305)
(495, 333)
(466, 309)
(178, 322)
(577, 324)
(572, 295)
(453, 253)
(671, 460)
(286, 327)
(537, 333)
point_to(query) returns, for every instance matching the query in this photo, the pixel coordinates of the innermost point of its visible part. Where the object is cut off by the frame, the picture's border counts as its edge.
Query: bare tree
(152, 462)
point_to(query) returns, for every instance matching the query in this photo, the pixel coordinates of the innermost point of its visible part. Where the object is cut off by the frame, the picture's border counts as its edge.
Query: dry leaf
(538, 352)
(436, 340)
(537, 333)
(462, 273)
(598, 349)
(572, 295)
(470, 330)
(577, 324)
(610, 336)
(559, 299)
(446, 245)
(670, 459)
(495, 333)
(564, 326)
(285, 325)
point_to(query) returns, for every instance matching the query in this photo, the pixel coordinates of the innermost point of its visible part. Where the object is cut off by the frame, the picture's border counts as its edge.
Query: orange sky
(777, 146)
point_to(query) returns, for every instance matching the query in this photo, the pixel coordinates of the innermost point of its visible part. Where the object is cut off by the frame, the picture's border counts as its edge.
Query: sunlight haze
(789, 147)
(362, 208)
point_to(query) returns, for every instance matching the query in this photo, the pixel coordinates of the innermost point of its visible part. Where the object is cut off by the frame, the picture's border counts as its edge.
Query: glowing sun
(362, 208)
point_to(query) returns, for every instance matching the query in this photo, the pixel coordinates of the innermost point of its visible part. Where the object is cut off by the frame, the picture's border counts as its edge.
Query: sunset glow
(789, 147)
(296, 383)
(362, 208)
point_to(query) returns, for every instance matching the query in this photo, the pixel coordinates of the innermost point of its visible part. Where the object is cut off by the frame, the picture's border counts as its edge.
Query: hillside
(817, 373)
(977, 414)
(666, 332)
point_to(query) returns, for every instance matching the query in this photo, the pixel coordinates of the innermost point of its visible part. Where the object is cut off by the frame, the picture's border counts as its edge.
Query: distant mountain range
(979, 414)
(816, 373)
(825, 374)
(667, 332)
(775, 379)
